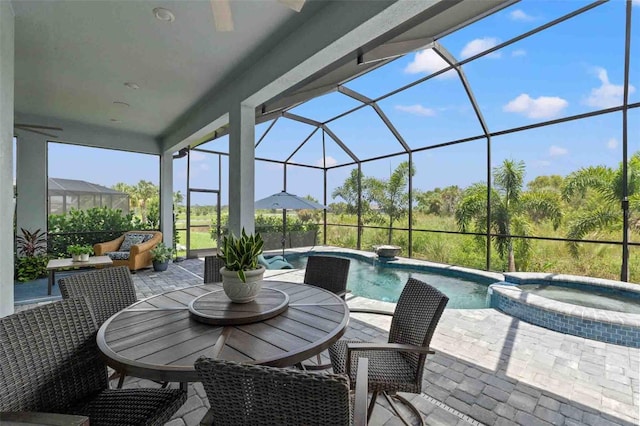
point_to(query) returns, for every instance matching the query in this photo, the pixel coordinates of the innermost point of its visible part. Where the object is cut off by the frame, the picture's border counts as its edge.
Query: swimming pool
(382, 281)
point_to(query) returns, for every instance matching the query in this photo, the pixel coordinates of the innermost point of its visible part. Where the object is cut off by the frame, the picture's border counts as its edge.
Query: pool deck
(489, 368)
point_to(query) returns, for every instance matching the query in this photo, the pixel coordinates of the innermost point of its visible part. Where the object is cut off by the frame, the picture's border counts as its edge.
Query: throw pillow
(130, 240)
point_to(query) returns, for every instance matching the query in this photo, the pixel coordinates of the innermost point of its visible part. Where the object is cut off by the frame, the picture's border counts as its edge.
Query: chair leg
(121, 381)
(407, 404)
(372, 404)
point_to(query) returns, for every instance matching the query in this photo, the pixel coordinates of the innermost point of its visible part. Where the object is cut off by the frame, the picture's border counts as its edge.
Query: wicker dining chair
(108, 290)
(396, 366)
(329, 273)
(246, 394)
(212, 265)
(50, 363)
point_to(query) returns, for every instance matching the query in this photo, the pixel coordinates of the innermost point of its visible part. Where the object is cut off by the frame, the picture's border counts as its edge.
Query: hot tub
(597, 309)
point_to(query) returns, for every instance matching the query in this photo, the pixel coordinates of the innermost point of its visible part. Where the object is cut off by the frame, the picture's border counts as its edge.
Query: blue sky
(571, 68)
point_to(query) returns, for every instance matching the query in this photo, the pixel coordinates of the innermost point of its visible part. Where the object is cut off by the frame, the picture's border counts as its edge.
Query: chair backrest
(415, 318)
(327, 272)
(212, 265)
(108, 290)
(244, 394)
(49, 357)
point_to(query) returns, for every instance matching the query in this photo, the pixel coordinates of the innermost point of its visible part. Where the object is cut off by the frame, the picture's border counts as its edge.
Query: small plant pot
(80, 257)
(238, 291)
(160, 266)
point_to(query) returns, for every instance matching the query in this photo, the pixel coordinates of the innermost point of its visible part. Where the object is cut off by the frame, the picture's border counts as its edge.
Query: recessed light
(163, 14)
(114, 120)
(119, 103)
(132, 85)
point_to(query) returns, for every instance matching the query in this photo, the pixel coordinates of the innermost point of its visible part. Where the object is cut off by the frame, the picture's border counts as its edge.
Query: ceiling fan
(222, 12)
(36, 128)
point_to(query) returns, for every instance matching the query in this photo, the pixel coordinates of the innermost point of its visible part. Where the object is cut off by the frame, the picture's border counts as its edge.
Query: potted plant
(79, 252)
(160, 256)
(241, 273)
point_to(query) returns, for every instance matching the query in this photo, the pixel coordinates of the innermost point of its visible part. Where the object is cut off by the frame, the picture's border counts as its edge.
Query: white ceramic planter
(238, 291)
(80, 257)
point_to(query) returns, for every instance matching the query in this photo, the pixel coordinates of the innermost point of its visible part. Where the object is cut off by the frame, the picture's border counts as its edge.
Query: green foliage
(511, 212)
(349, 193)
(75, 249)
(31, 246)
(162, 253)
(29, 268)
(441, 202)
(87, 227)
(241, 254)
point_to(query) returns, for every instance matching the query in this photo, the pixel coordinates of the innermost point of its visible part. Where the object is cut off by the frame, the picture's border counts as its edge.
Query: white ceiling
(72, 58)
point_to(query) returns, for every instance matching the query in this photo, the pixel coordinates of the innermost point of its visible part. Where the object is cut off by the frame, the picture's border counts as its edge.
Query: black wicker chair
(49, 363)
(245, 394)
(108, 290)
(396, 366)
(330, 273)
(212, 265)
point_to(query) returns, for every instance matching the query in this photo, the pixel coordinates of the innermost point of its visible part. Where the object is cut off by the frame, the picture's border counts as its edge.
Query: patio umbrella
(286, 201)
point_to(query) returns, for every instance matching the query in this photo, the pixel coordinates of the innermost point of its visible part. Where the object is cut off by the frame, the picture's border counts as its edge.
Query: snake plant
(241, 254)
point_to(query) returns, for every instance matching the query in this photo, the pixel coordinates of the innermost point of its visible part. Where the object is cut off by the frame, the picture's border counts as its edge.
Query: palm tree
(602, 187)
(391, 194)
(511, 210)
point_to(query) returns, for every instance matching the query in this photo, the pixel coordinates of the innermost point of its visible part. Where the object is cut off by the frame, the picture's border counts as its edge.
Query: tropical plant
(75, 249)
(31, 243)
(511, 210)
(391, 194)
(348, 191)
(161, 253)
(241, 254)
(31, 247)
(602, 187)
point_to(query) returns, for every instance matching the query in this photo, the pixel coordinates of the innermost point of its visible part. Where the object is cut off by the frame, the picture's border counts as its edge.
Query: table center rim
(269, 303)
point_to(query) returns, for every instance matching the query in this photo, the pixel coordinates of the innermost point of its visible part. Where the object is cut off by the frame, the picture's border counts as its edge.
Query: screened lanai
(508, 143)
(66, 194)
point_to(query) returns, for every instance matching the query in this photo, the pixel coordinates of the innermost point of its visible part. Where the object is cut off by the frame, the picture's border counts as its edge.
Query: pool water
(591, 299)
(385, 283)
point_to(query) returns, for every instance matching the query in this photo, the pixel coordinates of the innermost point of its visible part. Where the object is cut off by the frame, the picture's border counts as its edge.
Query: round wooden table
(158, 339)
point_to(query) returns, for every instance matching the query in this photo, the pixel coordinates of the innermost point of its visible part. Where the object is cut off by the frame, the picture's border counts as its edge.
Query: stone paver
(488, 366)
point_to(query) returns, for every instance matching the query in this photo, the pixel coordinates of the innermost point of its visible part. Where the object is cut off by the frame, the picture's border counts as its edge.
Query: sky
(572, 68)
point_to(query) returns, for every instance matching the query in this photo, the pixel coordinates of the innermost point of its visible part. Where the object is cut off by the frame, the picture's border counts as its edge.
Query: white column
(31, 182)
(6, 157)
(166, 197)
(242, 121)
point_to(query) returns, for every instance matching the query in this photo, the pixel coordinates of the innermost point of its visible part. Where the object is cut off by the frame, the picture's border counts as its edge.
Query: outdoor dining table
(159, 338)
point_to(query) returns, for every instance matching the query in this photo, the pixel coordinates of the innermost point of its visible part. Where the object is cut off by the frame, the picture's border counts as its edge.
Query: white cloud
(416, 109)
(520, 15)
(635, 2)
(480, 45)
(608, 94)
(427, 61)
(541, 107)
(557, 151)
(329, 160)
(613, 142)
(519, 52)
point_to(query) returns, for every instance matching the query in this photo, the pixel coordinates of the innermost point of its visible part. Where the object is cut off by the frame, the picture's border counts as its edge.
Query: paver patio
(489, 368)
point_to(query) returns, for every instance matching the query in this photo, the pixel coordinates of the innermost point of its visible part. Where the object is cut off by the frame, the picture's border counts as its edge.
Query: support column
(242, 120)
(31, 182)
(6, 157)
(166, 197)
